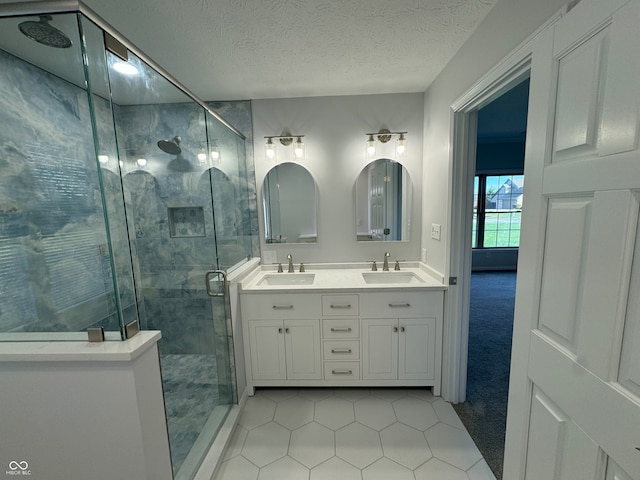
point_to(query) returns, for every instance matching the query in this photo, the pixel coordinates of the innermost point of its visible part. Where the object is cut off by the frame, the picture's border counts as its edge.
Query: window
(497, 210)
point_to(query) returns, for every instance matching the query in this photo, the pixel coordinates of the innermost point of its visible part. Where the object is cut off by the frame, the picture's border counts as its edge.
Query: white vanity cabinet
(387, 337)
(401, 336)
(284, 336)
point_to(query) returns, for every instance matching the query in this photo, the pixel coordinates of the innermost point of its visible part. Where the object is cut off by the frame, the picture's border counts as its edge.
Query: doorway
(495, 226)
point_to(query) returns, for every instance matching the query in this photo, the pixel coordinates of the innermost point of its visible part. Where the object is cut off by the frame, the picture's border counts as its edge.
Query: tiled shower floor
(190, 394)
(345, 434)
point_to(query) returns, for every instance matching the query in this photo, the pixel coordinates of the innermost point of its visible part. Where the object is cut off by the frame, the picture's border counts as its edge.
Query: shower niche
(118, 192)
(186, 222)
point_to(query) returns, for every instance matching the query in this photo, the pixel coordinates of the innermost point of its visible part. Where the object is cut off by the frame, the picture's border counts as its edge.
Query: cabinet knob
(395, 329)
(402, 329)
(280, 330)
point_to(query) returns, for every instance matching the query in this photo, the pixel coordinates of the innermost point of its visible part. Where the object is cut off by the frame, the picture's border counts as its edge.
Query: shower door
(165, 146)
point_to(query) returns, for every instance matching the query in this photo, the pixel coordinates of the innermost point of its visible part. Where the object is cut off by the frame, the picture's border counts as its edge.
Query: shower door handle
(207, 279)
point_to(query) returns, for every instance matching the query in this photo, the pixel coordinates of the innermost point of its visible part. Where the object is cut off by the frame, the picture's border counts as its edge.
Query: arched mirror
(289, 204)
(383, 202)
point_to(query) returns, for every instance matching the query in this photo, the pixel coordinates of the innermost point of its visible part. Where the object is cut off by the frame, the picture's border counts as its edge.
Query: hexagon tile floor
(350, 434)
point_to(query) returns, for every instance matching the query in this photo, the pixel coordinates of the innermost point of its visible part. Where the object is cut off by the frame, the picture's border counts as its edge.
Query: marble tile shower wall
(46, 138)
(172, 207)
(55, 272)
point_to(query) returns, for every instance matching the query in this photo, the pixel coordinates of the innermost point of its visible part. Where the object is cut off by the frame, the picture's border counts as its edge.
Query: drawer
(340, 328)
(347, 371)
(401, 304)
(280, 306)
(339, 305)
(341, 349)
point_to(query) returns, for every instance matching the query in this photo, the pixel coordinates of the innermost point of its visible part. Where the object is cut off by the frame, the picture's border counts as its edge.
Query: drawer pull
(283, 307)
(399, 305)
(342, 372)
(341, 305)
(340, 329)
(341, 350)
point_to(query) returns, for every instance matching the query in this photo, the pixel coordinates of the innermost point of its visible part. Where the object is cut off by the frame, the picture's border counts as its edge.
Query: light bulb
(371, 145)
(215, 154)
(298, 148)
(103, 159)
(121, 163)
(202, 157)
(401, 144)
(270, 149)
(141, 162)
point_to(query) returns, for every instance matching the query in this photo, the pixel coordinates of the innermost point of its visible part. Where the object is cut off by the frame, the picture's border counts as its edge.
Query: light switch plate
(423, 257)
(435, 231)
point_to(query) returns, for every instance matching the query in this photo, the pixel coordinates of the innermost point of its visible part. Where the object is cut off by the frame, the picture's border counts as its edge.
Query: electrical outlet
(423, 258)
(435, 231)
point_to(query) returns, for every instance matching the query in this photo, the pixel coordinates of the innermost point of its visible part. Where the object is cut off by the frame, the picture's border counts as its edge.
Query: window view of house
(497, 210)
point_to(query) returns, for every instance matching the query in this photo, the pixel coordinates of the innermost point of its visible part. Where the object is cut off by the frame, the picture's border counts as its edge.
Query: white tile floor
(349, 433)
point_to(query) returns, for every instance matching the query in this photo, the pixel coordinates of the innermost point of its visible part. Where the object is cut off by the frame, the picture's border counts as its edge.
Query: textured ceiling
(249, 49)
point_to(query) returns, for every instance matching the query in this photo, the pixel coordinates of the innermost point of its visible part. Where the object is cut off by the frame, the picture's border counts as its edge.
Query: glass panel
(168, 176)
(474, 228)
(55, 266)
(106, 152)
(223, 155)
(503, 210)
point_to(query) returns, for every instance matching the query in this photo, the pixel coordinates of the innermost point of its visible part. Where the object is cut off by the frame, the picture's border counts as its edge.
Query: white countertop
(108, 351)
(339, 277)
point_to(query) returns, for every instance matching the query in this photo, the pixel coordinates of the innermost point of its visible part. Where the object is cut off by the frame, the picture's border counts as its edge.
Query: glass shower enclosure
(119, 191)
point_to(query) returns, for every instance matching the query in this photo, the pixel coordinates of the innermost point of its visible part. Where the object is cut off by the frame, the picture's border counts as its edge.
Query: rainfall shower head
(44, 33)
(172, 146)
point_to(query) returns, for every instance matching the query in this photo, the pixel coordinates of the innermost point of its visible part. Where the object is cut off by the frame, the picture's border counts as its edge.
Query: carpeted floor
(490, 327)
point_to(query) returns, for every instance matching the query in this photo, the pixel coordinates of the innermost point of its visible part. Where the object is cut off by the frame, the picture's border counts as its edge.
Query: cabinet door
(416, 348)
(302, 340)
(266, 339)
(379, 349)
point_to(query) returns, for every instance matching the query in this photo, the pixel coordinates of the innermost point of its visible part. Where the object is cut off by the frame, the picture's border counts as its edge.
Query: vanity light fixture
(384, 136)
(286, 139)
(142, 162)
(103, 159)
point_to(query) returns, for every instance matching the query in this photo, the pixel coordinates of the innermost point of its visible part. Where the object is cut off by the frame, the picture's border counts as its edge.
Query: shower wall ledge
(125, 351)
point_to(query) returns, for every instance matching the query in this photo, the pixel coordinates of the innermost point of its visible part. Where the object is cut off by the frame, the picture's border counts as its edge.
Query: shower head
(172, 146)
(44, 33)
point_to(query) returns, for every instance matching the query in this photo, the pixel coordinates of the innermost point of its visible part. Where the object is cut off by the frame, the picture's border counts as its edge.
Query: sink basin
(391, 277)
(287, 279)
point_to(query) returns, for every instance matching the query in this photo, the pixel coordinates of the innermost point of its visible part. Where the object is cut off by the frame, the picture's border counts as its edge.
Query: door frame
(510, 71)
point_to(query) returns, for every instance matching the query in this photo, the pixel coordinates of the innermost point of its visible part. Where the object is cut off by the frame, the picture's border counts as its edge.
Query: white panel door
(302, 341)
(574, 401)
(379, 349)
(416, 349)
(266, 340)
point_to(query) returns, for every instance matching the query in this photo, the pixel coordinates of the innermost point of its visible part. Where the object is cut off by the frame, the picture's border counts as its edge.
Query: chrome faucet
(290, 258)
(385, 265)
